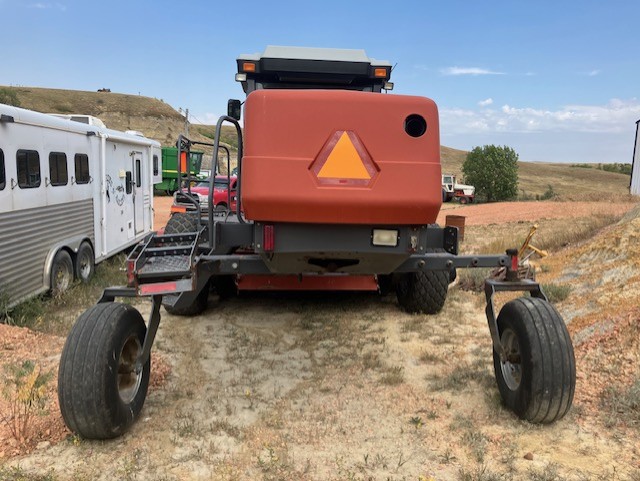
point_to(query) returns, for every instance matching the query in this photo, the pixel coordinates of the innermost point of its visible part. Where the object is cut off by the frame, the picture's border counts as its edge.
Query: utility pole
(186, 122)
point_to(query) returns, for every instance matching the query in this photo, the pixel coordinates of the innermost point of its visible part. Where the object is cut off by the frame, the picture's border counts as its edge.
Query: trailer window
(58, 174)
(82, 169)
(3, 178)
(156, 167)
(28, 167)
(138, 173)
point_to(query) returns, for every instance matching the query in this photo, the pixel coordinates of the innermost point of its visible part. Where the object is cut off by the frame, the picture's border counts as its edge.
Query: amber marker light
(248, 67)
(380, 72)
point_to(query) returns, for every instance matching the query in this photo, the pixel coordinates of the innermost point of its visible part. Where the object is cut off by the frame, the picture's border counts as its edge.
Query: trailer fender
(72, 245)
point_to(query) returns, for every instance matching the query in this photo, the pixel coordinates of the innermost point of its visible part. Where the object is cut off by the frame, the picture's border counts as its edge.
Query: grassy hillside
(162, 122)
(152, 117)
(534, 178)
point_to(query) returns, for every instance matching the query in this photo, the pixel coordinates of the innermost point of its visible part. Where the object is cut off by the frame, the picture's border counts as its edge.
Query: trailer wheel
(99, 391)
(464, 200)
(61, 272)
(537, 381)
(85, 262)
(198, 306)
(423, 292)
(181, 223)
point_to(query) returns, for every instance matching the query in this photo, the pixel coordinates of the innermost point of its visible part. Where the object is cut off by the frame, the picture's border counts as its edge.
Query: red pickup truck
(223, 197)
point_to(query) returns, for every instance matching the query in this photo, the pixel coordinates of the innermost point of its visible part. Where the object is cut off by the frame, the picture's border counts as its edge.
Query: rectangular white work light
(385, 237)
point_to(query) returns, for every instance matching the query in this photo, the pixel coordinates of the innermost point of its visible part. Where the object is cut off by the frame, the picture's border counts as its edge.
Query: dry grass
(16, 473)
(552, 234)
(56, 314)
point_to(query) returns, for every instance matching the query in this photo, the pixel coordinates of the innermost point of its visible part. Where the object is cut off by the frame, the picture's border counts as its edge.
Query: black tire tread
(83, 373)
(550, 394)
(62, 256)
(85, 246)
(181, 223)
(423, 292)
(198, 306)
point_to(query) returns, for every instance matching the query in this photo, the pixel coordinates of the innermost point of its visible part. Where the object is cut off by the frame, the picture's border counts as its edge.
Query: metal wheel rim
(511, 367)
(85, 267)
(62, 279)
(128, 379)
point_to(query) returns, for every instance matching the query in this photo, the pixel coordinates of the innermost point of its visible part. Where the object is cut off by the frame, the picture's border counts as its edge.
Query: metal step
(175, 266)
(165, 257)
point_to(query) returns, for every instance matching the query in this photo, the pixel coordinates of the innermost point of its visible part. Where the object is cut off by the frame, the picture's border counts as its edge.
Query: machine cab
(312, 68)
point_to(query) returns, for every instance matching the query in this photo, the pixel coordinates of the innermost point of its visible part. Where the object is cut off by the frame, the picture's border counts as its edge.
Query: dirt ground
(477, 214)
(348, 387)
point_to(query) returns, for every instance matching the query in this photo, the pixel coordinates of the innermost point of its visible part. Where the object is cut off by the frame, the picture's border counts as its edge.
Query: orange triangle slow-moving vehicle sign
(344, 160)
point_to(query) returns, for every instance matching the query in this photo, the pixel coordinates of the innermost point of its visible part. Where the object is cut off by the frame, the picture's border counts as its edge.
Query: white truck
(71, 195)
(452, 190)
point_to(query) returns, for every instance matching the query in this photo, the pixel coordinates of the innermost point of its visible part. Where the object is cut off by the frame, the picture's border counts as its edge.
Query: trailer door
(138, 192)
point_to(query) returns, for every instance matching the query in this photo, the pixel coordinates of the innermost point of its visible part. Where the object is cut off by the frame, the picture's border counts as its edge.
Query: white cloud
(486, 102)
(208, 118)
(593, 73)
(468, 71)
(614, 117)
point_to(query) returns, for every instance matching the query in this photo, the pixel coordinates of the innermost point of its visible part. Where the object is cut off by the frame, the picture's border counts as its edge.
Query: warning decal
(344, 161)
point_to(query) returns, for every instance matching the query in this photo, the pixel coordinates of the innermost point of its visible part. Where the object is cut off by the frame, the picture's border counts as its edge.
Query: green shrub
(493, 171)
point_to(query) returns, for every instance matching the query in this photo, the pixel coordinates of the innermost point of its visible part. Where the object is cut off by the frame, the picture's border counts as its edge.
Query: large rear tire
(99, 392)
(537, 380)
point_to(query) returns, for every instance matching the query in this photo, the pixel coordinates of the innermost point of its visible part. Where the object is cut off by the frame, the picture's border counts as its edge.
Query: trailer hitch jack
(511, 284)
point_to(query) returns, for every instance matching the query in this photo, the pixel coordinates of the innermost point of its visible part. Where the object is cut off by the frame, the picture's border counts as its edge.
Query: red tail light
(131, 266)
(514, 262)
(268, 237)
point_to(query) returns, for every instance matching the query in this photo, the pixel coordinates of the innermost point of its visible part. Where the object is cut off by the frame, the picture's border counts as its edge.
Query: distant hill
(160, 121)
(569, 182)
(152, 117)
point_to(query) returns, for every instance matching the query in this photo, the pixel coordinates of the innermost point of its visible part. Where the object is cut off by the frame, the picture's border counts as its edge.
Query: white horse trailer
(71, 195)
(634, 185)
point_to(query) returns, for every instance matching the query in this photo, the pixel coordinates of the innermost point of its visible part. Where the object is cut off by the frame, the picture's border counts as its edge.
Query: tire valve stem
(512, 270)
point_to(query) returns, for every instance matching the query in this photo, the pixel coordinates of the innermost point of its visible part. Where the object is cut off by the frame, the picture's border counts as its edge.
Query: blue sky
(557, 81)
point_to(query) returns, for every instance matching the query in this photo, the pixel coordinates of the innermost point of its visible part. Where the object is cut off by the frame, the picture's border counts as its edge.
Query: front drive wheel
(537, 380)
(99, 391)
(423, 292)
